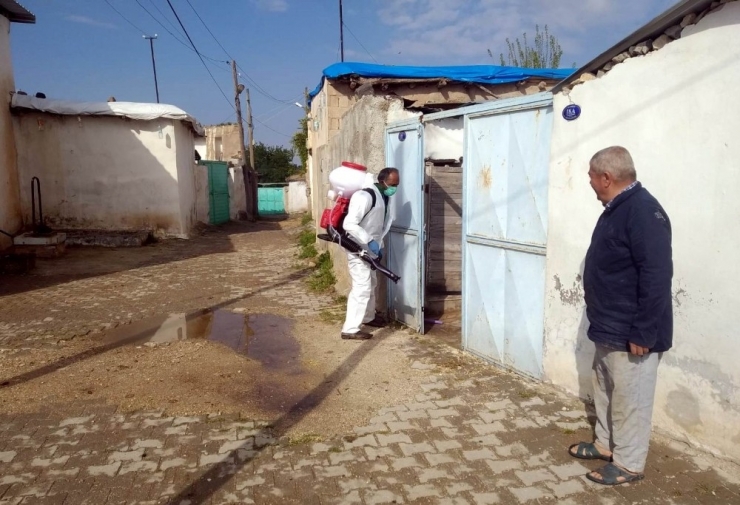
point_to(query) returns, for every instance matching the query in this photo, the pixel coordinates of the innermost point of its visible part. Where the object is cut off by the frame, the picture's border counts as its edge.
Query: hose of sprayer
(353, 247)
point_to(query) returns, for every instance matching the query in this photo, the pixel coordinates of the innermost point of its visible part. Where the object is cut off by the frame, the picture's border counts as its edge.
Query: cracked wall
(669, 108)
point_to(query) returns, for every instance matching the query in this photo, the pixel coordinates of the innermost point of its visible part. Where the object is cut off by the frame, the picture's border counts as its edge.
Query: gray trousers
(624, 391)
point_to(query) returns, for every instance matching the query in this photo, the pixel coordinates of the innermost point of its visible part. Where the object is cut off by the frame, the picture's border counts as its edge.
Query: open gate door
(507, 153)
(405, 241)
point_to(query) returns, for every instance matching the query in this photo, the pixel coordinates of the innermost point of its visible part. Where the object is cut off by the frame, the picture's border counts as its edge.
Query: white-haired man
(627, 285)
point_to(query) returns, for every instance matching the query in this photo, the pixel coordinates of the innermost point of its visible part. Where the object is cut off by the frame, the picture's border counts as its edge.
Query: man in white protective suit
(367, 222)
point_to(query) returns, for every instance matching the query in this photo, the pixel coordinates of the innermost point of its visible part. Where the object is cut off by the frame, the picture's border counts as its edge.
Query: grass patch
(307, 438)
(335, 449)
(526, 394)
(322, 280)
(307, 252)
(340, 300)
(330, 317)
(704, 488)
(568, 431)
(307, 245)
(307, 218)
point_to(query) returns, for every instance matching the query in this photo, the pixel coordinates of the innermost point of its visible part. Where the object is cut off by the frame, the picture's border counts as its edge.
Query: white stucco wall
(202, 196)
(296, 199)
(10, 208)
(185, 151)
(443, 139)
(200, 146)
(237, 194)
(676, 111)
(107, 173)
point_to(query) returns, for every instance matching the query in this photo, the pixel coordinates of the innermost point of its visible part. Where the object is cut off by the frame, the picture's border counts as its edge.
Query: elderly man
(627, 284)
(368, 222)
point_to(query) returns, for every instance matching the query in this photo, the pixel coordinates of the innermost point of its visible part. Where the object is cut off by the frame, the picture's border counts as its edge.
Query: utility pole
(154, 65)
(246, 172)
(251, 152)
(341, 30)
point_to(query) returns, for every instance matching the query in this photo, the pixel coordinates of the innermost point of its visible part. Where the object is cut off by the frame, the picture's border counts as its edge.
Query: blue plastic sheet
(482, 74)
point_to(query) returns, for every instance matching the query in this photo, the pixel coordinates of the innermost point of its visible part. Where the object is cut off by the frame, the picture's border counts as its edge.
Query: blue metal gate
(506, 165)
(271, 199)
(404, 151)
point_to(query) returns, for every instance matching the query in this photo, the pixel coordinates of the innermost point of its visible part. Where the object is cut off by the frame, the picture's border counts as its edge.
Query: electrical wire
(198, 53)
(209, 30)
(358, 41)
(169, 21)
(256, 86)
(176, 37)
(125, 18)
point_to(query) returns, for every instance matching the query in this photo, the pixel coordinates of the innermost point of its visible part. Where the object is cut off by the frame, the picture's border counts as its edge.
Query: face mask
(390, 191)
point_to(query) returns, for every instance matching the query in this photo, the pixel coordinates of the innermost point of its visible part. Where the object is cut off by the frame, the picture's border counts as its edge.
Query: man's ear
(608, 179)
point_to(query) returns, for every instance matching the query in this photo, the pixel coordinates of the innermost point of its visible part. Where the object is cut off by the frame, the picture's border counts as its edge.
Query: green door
(218, 187)
(270, 200)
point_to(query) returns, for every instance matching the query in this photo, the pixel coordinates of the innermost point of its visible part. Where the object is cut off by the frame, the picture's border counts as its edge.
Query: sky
(88, 50)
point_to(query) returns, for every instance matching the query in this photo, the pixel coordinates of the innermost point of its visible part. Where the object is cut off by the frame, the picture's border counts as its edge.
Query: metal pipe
(33, 202)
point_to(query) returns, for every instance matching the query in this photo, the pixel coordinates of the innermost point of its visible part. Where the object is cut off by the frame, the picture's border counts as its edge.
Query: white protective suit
(364, 224)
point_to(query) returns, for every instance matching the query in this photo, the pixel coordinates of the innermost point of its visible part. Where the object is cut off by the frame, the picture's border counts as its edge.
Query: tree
(299, 142)
(274, 163)
(546, 52)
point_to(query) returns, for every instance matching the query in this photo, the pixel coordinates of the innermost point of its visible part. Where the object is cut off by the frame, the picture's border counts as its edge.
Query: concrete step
(106, 238)
(13, 262)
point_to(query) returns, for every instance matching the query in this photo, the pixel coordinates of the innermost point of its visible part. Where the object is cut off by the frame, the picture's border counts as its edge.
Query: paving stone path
(483, 438)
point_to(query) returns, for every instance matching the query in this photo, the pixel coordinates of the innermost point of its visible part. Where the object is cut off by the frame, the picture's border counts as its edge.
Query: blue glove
(374, 247)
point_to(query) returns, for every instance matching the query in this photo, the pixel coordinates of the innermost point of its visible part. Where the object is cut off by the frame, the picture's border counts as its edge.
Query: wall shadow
(84, 262)
(201, 490)
(147, 331)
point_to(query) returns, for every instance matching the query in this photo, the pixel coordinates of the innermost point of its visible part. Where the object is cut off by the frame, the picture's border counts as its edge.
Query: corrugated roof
(15, 12)
(481, 74)
(653, 29)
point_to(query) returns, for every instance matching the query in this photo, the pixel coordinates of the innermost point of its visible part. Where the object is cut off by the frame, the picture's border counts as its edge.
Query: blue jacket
(628, 272)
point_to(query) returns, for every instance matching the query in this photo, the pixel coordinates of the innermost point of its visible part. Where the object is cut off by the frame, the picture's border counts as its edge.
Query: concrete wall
(200, 146)
(107, 173)
(10, 207)
(361, 139)
(185, 152)
(675, 110)
(237, 194)
(296, 199)
(222, 143)
(202, 195)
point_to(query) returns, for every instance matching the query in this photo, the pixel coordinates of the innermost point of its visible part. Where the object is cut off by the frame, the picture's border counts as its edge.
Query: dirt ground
(127, 366)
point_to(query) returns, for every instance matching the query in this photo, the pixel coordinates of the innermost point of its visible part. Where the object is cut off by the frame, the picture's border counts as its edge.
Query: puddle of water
(263, 337)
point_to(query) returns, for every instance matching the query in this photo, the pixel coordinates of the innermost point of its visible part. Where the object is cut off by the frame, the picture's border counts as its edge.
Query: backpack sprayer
(346, 180)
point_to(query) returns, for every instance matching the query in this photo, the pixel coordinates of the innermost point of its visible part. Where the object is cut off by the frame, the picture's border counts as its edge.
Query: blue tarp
(482, 74)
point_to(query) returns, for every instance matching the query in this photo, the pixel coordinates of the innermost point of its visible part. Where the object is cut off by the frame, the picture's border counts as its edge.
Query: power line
(198, 53)
(256, 86)
(358, 41)
(169, 21)
(176, 37)
(209, 30)
(125, 18)
(273, 130)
